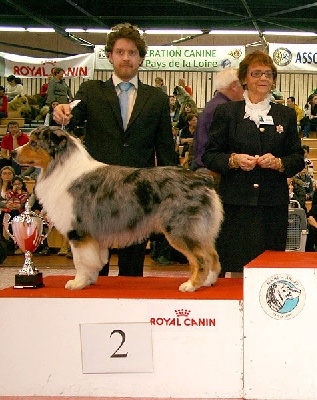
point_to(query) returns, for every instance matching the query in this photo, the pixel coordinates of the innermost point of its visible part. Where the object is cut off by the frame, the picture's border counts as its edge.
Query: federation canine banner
(191, 58)
(294, 57)
(30, 67)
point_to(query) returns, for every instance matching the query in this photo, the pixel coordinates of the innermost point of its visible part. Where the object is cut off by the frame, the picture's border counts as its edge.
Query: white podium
(145, 340)
(280, 328)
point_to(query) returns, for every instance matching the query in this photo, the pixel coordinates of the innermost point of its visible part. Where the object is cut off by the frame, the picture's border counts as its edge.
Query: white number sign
(115, 348)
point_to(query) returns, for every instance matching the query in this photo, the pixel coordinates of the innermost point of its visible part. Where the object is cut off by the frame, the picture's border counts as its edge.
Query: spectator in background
(311, 242)
(174, 110)
(188, 89)
(290, 102)
(13, 139)
(43, 91)
(3, 103)
(14, 87)
(186, 139)
(297, 191)
(307, 182)
(6, 176)
(16, 196)
(159, 83)
(308, 162)
(228, 88)
(49, 120)
(311, 113)
(277, 96)
(188, 107)
(58, 90)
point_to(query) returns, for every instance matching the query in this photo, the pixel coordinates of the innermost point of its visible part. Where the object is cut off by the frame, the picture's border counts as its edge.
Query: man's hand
(62, 114)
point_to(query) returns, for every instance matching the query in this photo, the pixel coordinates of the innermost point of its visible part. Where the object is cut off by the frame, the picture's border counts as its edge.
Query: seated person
(308, 161)
(6, 176)
(290, 102)
(14, 87)
(16, 197)
(307, 182)
(186, 139)
(297, 191)
(3, 103)
(310, 123)
(186, 135)
(311, 242)
(13, 139)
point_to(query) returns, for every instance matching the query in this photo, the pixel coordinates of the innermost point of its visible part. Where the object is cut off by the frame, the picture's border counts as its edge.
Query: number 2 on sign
(116, 347)
(116, 354)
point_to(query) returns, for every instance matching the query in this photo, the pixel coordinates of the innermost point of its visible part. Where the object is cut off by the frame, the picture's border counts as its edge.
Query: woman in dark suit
(142, 138)
(254, 145)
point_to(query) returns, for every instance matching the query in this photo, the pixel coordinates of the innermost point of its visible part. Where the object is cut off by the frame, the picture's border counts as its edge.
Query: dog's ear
(58, 139)
(54, 139)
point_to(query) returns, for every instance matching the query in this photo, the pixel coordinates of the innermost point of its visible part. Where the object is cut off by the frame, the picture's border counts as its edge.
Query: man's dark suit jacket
(148, 133)
(232, 133)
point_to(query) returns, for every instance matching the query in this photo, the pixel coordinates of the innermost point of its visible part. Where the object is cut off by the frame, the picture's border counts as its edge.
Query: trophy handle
(6, 224)
(49, 226)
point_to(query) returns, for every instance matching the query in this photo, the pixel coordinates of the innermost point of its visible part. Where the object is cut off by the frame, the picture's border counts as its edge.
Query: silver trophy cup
(27, 233)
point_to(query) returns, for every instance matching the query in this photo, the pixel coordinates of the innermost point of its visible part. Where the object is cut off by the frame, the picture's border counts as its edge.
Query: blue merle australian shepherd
(98, 206)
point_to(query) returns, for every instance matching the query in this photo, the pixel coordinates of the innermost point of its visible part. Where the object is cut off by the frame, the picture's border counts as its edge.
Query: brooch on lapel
(279, 129)
(262, 129)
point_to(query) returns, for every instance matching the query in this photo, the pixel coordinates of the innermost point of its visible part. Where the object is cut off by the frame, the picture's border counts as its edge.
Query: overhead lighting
(98, 30)
(11, 29)
(43, 30)
(75, 30)
(293, 33)
(173, 32)
(232, 32)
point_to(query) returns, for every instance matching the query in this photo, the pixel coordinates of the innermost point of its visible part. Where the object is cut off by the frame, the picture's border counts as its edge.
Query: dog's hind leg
(87, 261)
(203, 260)
(215, 269)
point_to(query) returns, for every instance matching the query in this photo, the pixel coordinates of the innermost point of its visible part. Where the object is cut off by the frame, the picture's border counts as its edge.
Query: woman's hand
(269, 161)
(245, 161)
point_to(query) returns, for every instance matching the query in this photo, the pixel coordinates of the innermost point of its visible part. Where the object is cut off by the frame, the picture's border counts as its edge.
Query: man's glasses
(258, 74)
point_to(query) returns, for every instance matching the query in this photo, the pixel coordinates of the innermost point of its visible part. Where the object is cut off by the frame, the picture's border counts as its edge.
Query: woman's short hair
(11, 78)
(257, 57)
(126, 31)
(57, 70)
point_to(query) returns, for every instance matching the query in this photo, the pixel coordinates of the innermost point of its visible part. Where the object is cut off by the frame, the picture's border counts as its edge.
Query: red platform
(132, 288)
(284, 259)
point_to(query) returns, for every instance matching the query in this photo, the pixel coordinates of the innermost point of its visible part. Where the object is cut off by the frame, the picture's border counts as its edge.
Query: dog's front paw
(75, 285)
(186, 287)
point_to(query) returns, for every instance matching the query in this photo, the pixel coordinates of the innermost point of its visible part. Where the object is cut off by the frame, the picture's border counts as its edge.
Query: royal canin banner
(30, 67)
(294, 57)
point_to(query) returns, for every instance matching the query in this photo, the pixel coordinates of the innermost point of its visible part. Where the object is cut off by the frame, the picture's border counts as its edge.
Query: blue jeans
(308, 128)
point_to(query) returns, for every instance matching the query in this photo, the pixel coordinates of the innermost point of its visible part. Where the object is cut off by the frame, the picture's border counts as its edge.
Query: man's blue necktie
(123, 99)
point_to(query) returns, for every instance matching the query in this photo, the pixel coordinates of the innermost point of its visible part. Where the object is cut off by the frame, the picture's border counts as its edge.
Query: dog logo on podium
(282, 297)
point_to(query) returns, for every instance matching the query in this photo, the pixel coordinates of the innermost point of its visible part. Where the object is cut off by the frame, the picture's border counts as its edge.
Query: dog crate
(297, 227)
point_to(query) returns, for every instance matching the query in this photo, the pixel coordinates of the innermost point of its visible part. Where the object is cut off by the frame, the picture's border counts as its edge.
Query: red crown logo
(182, 313)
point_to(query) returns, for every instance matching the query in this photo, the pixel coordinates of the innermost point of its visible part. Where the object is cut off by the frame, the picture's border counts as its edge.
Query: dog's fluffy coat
(98, 206)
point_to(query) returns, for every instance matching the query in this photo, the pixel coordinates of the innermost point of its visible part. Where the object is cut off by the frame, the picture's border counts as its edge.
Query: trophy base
(29, 281)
